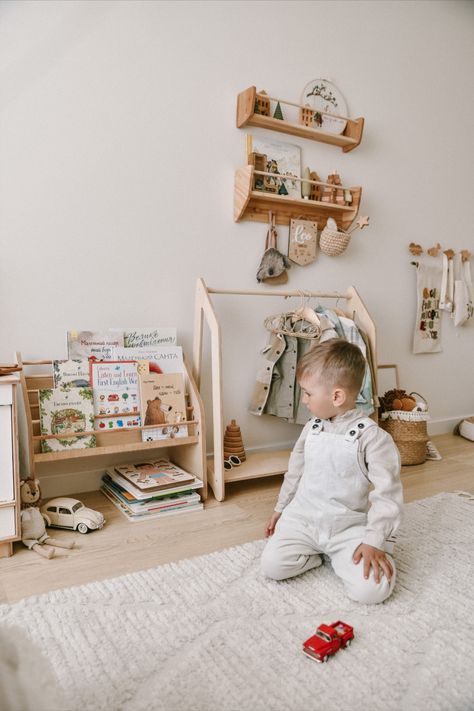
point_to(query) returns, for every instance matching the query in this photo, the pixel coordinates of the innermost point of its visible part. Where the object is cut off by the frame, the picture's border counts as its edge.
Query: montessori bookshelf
(258, 463)
(114, 446)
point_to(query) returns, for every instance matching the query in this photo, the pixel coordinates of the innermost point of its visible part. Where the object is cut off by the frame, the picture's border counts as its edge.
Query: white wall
(118, 147)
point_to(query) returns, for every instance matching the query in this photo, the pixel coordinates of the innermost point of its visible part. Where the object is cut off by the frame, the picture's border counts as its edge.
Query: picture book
(163, 405)
(161, 359)
(149, 337)
(151, 475)
(148, 515)
(281, 159)
(97, 344)
(74, 373)
(138, 494)
(116, 394)
(164, 500)
(66, 410)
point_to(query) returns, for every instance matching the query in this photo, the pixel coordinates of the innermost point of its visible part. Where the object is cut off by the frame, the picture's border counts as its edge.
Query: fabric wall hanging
(426, 337)
(463, 291)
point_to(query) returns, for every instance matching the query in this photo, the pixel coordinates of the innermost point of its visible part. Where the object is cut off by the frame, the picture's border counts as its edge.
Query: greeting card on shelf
(280, 159)
(116, 394)
(66, 410)
(164, 359)
(74, 373)
(98, 344)
(149, 337)
(163, 404)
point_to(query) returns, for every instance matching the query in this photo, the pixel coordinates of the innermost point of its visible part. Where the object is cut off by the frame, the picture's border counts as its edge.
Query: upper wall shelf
(246, 116)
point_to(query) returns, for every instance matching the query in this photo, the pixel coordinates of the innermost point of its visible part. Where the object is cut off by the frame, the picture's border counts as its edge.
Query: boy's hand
(270, 527)
(375, 558)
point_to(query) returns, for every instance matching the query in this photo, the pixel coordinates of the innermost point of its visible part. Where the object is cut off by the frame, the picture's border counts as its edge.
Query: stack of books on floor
(152, 489)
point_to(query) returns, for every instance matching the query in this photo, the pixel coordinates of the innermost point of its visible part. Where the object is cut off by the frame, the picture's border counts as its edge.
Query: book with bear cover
(66, 410)
(163, 404)
(116, 394)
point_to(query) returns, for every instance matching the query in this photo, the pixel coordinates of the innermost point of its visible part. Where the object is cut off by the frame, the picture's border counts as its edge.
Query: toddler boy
(342, 494)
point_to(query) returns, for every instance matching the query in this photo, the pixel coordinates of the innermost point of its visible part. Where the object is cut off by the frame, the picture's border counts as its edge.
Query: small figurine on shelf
(306, 115)
(315, 189)
(33, 526)
(278, 114)
(262, 104)
(333, 194)
(305, 185)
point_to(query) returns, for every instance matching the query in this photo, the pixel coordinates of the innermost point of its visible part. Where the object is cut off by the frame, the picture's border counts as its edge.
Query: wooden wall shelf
(255, 204)
(246, 116)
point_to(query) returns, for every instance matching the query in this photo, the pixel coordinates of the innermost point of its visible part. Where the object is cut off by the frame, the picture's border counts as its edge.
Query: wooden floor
(122, 547)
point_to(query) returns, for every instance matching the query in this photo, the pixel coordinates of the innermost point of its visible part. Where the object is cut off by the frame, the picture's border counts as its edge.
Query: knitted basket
(409, 433)
(333, 242)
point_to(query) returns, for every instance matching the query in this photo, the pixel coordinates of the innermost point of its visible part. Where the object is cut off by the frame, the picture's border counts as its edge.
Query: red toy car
(328, 640)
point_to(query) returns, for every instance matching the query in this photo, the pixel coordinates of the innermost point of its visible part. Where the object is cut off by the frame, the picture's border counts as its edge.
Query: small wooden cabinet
(9, 467)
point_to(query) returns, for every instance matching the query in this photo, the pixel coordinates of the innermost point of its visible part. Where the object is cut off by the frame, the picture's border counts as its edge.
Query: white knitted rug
(210, 634)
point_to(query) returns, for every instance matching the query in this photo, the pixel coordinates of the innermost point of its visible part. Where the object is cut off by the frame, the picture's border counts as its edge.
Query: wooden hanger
(433, 251)
(449, 253)
(465, 255)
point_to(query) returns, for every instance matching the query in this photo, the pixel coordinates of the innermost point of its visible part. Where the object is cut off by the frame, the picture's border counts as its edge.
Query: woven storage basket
(409, 433)
(333, 242)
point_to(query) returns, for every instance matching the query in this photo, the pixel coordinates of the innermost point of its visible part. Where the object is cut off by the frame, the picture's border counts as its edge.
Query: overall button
(361, 425)
(352, 433)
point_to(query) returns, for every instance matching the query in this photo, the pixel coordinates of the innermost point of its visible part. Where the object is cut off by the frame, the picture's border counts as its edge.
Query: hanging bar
(285, 176)
(251, 292)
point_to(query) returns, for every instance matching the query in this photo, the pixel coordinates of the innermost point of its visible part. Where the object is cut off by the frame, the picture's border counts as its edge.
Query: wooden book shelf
(255, 205)
(114, 445)
(246, 116)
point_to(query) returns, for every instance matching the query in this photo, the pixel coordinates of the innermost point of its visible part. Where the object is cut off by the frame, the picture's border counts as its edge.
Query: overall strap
(358, 428)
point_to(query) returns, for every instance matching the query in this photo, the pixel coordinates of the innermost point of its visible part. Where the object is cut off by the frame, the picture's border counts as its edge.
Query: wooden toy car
(328, 640)
(64, 512)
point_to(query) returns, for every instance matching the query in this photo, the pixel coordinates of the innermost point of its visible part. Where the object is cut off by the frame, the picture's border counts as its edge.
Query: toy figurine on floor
(33, 528)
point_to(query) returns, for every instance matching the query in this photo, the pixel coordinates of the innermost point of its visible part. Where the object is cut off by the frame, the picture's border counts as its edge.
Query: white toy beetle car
(71, 513)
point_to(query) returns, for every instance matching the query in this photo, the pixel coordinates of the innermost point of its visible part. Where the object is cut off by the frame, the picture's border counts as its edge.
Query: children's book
(164, 500)
(63, 411)
(141, 495)
(74, 373)
(98, 344)
(152, 475)
(163, 405)
(148, 515)
(116, 394)
(149, 337)
(281, 159)
(161, 359)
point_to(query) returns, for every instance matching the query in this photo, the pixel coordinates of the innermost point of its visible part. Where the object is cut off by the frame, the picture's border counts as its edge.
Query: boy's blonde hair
(337, 361)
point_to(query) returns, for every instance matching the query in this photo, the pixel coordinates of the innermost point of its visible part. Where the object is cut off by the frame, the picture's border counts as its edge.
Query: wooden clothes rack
(259, 464)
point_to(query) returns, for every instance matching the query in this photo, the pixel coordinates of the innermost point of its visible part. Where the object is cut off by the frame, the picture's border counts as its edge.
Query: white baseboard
(445, 425)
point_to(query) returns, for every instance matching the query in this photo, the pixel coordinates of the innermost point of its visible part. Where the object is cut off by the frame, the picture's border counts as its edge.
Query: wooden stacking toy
(233, 443)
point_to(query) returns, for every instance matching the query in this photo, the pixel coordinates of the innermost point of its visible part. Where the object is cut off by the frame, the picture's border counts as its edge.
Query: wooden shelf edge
(246, 116)
(40, 457)
(256, 466)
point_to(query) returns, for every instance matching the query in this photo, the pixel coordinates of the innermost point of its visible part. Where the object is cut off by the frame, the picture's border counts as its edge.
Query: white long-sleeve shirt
(379, 461)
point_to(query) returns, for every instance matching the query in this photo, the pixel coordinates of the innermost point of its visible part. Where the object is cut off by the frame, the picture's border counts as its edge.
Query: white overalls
(328, 512)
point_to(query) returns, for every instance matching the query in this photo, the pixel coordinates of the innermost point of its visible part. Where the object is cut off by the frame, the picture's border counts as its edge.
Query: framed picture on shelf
(282, 159)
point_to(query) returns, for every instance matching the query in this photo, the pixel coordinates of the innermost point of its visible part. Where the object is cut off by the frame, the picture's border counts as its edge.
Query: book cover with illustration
(146, 337)
(116, 394)
(66, 410)
(281, 159)
(161, 359)
(155, 474)
(163, 401)
(74, 373)
(97, 344)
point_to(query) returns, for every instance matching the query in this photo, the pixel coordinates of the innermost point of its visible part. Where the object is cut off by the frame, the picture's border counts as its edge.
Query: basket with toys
(404, 417)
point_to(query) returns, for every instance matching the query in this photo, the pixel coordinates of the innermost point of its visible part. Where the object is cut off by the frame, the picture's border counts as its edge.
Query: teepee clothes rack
(257, 464)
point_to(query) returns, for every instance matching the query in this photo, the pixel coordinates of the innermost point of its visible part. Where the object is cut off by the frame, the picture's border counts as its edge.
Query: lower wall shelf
(256, 466)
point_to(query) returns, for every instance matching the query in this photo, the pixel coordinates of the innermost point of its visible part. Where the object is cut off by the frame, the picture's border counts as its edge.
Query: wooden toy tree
(233, 443)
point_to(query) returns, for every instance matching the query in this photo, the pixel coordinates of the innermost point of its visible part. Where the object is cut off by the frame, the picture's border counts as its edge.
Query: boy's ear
(338, 397)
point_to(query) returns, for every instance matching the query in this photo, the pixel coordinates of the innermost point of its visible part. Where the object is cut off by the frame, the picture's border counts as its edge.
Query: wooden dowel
(88, 433)
(300, 106)
(284, 176)
(250, 292)
(37, 362)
